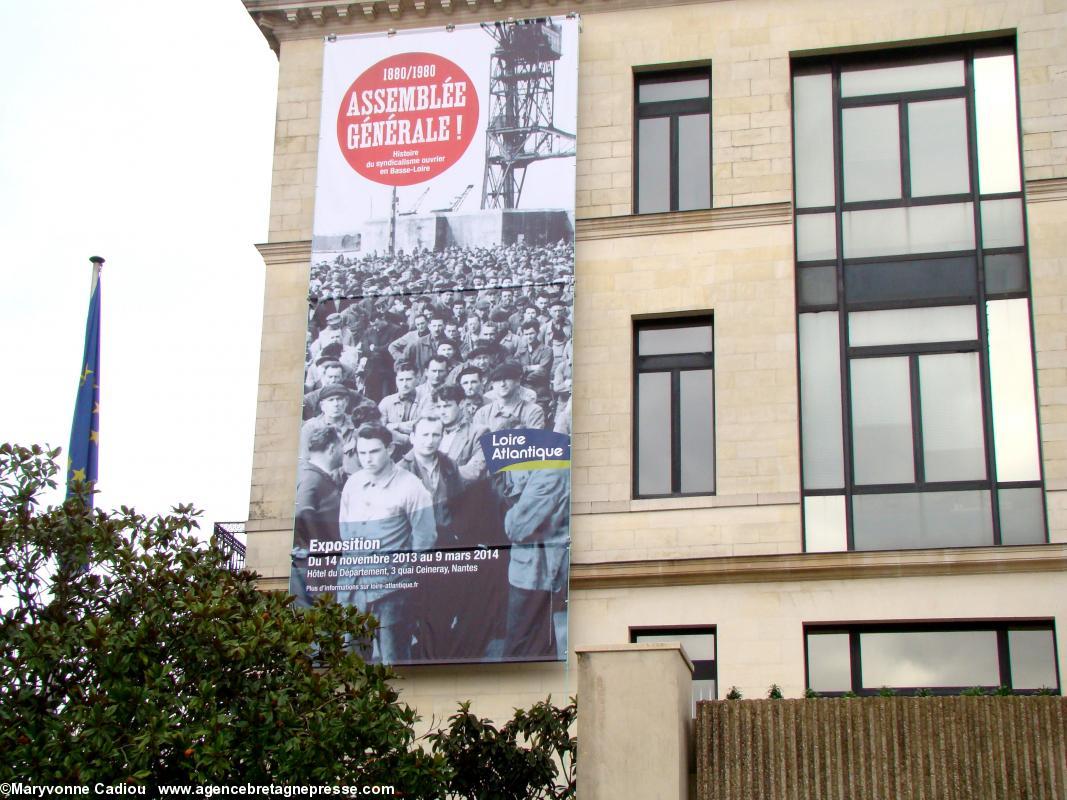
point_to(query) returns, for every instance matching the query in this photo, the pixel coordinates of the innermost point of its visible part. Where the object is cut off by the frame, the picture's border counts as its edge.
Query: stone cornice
(302, 19)
(273, 584)
(820, 566)
(1047, 190)
(592, 228)
(589, 229)
(285, 252)
(794, 567)
(684, 222)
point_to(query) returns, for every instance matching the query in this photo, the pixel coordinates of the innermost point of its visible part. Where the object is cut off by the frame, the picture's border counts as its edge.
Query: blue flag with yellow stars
(85, 430)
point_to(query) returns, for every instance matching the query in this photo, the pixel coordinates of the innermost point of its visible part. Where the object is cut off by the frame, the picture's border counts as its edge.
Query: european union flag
(85, 430)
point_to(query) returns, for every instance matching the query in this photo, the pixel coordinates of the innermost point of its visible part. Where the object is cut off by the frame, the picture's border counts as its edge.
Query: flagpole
(85, 428)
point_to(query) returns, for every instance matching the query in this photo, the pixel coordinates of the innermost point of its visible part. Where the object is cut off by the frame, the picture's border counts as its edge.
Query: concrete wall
(536, 227)
(489, 229)
(634, 724)
(412, 232)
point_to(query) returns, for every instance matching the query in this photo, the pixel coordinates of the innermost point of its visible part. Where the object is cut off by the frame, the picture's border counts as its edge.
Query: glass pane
(698, 646)
(909, 521)
(703, 690)
(870, 139)
(997, 122)
(648, 92)
(668, 341)
(911, 78)
(829, 662)
(820, 401)
(937, 147)
(1005, 273)
(813, 140)
(912, 325)
(1002, 223)
(816, 237)
(1022, 516)
(881, 421)
(696, 406)
(654, 433)
(951, 402)
(824, 524)
(653, 165)
(817, 286)
(1011, 376)
(694, 162)
(929, 659)
(933, 278)
(1033, 659)
(915, 229)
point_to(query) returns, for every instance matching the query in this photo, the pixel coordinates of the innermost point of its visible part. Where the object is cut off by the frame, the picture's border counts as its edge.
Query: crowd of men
(516, 264)
(400, 386)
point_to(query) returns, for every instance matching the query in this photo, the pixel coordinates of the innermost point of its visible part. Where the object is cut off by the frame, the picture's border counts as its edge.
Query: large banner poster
(433, 486)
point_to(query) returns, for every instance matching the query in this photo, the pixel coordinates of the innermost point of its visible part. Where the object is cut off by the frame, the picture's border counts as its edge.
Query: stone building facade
(746, 574)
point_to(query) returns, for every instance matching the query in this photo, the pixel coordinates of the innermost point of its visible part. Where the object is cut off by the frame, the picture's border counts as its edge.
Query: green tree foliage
(522, 759)
(130, 653)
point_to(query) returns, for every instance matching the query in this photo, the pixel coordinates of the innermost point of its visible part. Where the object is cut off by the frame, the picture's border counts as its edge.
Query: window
(699, 644)
(672, 140)
(674, 387)
(940, 658)
(918, 413)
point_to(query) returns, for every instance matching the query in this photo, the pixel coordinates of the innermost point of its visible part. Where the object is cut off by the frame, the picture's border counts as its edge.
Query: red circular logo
(407, 119)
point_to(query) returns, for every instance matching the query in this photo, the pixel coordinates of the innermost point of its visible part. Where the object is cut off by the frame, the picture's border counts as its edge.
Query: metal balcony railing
(225, 535)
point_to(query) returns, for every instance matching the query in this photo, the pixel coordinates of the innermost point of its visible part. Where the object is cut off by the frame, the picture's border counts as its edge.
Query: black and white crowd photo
(440, 325)
(399, 389)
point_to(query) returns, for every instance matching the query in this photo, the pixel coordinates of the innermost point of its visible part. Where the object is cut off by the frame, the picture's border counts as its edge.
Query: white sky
(140, 131)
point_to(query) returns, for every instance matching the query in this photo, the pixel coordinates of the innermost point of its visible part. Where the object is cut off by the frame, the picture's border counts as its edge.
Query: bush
(131, 654)
(493, 763)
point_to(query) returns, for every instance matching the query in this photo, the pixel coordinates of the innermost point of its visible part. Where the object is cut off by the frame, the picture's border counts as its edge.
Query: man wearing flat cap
(328, 335)
(505, 338)
(508, 408)
(333, 413)
(334, 373)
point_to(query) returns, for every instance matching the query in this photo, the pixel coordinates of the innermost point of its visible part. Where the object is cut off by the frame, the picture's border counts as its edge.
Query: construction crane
(457, 202)
(522, 86)
(415, 206)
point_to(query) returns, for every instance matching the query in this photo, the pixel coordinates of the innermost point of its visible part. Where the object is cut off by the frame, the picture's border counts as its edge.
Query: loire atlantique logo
(525, 448)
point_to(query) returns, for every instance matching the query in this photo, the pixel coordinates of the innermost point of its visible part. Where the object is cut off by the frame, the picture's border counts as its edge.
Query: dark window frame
(912, 352)
(834, 64)
(999, 626)
(703, 669)
(674, 364)
(671, 110)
